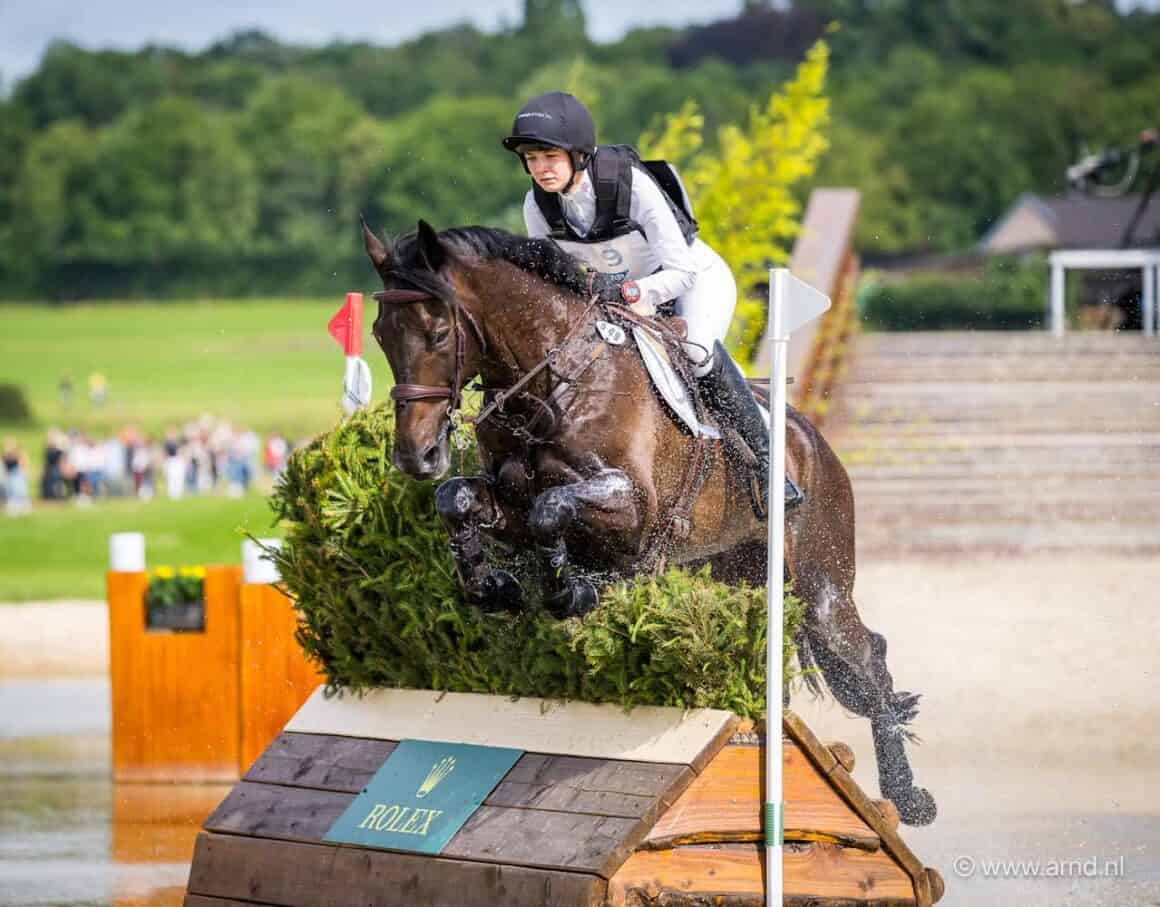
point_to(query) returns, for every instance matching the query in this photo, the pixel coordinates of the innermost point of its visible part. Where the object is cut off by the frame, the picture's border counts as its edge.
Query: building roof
(1076, 221)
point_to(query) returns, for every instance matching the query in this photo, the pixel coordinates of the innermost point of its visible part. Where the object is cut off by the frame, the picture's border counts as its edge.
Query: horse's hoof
(916, 807)
(499, 591)
(576, 599)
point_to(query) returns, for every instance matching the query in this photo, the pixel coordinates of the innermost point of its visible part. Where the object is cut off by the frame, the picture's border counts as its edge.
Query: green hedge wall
(1009, 296)
(368, 562)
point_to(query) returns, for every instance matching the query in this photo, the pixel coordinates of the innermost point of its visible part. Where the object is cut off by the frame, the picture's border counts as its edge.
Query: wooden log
(175, 697)
(935, 881)
(844, 753)
(276, 677)
(198, 900)
(821, 875)
(888, 811)
(324, 875)
(724, 803)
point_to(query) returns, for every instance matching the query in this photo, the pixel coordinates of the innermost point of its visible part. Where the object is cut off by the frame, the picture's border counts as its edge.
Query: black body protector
(611, 172)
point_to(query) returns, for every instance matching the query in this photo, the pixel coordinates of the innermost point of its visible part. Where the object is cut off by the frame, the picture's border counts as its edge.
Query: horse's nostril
(431, 457)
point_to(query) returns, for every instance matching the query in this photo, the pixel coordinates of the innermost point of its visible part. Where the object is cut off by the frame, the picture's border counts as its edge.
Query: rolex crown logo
(439, 771)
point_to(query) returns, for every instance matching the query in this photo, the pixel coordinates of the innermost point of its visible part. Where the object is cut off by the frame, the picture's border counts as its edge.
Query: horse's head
(431, 342)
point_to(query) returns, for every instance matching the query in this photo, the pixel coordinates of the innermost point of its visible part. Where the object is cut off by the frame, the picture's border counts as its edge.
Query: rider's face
(551, 168)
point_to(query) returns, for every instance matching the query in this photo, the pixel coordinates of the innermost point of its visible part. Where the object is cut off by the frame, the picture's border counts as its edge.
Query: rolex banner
(421, 796)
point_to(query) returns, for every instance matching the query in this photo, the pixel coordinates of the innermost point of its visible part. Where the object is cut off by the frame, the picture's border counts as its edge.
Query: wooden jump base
(664, 808)
(202, 706)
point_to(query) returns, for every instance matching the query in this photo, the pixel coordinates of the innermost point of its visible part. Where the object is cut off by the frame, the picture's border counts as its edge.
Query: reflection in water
(69, 837)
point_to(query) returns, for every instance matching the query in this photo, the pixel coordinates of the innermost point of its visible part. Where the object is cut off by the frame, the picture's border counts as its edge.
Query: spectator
(276, 452)
(98, 389)
(15, 479)
(174, 464)
(65, 388)
(54, 482)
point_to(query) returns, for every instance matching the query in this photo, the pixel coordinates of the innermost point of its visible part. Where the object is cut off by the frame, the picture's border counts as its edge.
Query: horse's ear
(430, 247)
(377, 252)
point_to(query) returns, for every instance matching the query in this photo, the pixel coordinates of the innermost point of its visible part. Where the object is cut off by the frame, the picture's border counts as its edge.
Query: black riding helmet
(555, 120)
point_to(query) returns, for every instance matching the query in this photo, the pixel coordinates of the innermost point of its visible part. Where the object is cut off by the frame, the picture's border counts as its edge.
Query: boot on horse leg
(853, 662)
(464, 504)
(565, 595)
(727, 393)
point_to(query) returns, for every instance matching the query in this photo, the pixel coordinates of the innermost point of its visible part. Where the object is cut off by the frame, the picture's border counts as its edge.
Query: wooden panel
(319, 760)
(531, 837)
(276, 677)
(175, 696)
(821, 875)
(198, 900)
(646, 734)
(564, 783)
(724, 803)
(320, 875)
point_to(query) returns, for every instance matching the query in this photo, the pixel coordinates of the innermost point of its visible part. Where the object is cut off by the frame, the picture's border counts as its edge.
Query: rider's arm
(534, 219)
(678, 271)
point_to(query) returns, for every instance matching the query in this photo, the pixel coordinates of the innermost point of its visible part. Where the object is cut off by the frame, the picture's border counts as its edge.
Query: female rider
(585, 193)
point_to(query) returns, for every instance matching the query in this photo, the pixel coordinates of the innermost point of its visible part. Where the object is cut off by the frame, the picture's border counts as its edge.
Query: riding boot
(727, 393)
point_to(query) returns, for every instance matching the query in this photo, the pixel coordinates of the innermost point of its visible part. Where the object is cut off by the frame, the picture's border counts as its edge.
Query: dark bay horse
(583, 466)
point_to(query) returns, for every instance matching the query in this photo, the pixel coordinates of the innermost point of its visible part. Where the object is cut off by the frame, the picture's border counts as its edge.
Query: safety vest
(611, 171)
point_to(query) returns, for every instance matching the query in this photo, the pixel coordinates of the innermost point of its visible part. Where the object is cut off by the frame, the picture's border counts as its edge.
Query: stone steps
(996, 443)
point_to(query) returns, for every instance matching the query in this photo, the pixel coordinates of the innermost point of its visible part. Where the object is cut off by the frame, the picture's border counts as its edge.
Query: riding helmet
(556, 119)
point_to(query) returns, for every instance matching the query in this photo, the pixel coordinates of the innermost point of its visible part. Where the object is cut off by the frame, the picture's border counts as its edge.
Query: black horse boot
(727, 393)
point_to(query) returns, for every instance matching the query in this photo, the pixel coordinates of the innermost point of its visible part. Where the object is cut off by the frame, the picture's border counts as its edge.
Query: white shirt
(648, 207)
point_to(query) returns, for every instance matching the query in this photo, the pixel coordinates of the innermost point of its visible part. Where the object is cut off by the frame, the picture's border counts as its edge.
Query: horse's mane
(541, 257)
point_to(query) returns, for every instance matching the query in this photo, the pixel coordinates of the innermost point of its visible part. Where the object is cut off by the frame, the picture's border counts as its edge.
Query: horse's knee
(553, 511)
(455, 500)
(878, 644)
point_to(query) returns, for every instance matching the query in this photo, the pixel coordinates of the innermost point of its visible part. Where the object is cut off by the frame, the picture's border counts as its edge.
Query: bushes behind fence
(368, 562)
(1009, 296)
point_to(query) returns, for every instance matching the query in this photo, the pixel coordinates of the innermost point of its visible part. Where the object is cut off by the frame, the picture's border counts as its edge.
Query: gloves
(614, 288)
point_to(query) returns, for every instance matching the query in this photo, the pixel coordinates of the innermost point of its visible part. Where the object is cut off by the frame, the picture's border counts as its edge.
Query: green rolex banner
(421, 796)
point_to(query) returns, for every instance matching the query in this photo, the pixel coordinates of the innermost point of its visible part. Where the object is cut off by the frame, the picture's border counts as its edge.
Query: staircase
(1001, 443)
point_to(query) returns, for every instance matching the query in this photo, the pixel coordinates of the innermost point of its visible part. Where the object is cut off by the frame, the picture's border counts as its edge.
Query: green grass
(265, 364)
(269, 365)
(63, 551)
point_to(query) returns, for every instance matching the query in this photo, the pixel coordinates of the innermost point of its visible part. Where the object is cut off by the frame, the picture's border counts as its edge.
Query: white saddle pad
(669, 384)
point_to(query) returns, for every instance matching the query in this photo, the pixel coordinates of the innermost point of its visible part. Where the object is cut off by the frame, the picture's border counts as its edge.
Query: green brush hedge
(368, 562)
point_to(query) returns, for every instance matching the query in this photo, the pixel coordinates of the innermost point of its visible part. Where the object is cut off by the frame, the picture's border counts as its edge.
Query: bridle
(405, 393)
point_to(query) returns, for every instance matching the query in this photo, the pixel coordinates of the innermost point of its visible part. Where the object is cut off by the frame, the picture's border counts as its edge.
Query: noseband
(403, 393)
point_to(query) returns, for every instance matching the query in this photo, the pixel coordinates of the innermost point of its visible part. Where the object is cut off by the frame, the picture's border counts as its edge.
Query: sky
(28, 26)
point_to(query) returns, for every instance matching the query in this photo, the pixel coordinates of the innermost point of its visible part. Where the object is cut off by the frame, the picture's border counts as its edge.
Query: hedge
(1009, 296)
(368, 562)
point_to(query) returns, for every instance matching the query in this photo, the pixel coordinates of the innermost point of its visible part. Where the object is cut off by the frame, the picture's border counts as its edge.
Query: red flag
(346, 325)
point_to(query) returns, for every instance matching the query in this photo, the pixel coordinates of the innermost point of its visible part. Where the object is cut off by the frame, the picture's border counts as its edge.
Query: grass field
(265, 364)
(63, 551)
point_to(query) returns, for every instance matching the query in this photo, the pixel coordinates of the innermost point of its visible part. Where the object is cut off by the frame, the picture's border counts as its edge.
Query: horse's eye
(440, 336)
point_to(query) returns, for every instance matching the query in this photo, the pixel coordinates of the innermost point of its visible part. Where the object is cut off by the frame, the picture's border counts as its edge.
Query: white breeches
(708, 307)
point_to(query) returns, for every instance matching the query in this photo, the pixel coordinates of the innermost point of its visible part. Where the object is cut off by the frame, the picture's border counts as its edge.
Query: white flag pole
(792, 303)
(774, 681)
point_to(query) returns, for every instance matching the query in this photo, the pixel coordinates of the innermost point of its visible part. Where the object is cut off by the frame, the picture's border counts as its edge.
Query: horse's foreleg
(465, 505)
(606, 499)
(853, 662)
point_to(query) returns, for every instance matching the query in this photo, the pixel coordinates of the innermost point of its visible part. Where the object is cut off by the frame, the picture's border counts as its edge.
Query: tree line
(242, 169)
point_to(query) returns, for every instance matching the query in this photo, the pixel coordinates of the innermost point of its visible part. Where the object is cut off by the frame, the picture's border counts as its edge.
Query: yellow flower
(164, 572)
(197, 572)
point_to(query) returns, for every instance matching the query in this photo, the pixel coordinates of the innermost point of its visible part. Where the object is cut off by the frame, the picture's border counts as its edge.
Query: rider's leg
(708, 310)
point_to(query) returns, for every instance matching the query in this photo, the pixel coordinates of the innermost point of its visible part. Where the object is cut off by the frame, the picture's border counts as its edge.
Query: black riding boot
(727, 392)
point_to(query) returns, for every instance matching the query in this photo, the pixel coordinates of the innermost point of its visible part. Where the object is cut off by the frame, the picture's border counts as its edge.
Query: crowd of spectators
(202, 457)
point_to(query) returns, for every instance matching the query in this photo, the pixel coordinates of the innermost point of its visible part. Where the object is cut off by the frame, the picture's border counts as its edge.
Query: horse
(584, 467)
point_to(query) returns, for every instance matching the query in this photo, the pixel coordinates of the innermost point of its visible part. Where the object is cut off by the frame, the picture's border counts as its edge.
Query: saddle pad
(669, 384)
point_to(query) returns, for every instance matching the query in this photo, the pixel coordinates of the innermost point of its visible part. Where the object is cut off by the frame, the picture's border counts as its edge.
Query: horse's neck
(521, 328)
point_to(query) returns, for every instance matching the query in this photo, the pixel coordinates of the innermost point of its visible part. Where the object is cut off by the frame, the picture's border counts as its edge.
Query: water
(69, 837)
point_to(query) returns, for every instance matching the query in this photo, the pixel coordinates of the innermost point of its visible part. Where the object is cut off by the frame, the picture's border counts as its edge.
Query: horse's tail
(811, 674)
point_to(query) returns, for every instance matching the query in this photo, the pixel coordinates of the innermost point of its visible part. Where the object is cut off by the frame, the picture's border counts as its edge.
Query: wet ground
(67, 835)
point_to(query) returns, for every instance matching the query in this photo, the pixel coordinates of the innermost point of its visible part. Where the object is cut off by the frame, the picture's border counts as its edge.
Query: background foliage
(368, 561)
(1007, 297)
(240, 170)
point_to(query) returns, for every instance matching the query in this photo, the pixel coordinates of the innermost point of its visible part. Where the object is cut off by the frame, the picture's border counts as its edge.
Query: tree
(743, 191)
